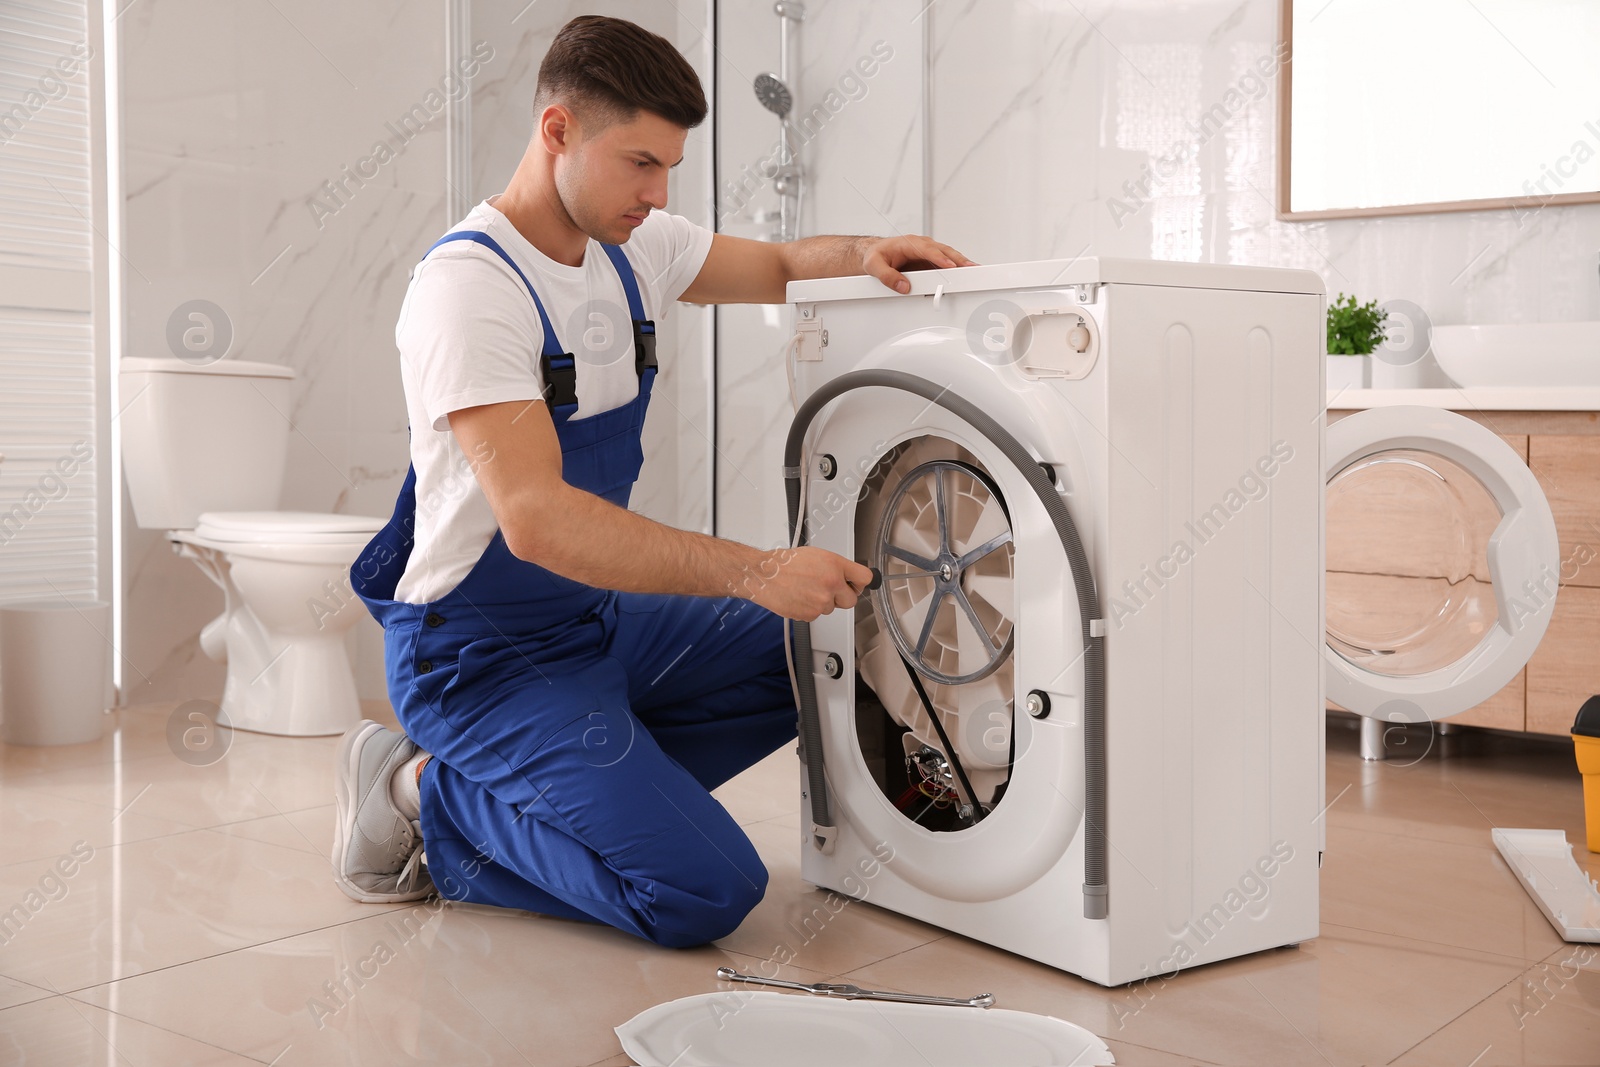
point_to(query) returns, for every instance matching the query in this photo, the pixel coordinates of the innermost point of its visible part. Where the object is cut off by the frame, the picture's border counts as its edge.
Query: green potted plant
(1354, 332)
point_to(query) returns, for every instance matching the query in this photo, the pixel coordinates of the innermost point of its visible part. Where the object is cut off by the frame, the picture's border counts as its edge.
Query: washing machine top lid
(1063, 273)
(241, 368)
(286, 527)
(740, 1029)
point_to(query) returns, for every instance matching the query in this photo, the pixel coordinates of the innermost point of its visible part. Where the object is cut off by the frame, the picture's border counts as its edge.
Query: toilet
(203, 452)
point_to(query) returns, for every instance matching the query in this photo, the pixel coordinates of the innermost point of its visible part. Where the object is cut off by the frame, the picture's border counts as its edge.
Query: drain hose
(1095, 889)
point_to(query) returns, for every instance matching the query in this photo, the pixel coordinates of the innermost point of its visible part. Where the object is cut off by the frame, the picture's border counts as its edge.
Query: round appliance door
(1442, 563)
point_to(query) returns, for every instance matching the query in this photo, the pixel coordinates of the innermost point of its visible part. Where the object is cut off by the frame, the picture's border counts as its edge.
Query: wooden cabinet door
(1506, 710)
(1568, 469)
(1566, 670)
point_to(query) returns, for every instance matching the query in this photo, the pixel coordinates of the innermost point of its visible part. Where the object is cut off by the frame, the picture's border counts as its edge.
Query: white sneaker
(377, 851)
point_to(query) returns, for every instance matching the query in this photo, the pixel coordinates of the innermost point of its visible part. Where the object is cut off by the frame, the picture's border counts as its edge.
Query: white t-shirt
(468, 335)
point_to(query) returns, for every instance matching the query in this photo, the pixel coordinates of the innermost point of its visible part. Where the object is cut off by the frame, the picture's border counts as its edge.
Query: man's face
(608, 183)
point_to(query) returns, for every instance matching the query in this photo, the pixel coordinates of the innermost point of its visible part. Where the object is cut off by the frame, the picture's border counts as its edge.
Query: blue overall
(575, 731)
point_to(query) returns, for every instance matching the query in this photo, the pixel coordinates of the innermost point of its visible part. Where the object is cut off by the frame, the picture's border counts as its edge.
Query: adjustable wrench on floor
(852, 992)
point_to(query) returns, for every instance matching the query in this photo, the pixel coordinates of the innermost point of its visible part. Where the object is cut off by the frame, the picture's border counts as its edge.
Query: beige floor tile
(793, 820)
(19, 760)
(814, 928)
(1414, 887)
(453, 985)
(1349, 997)
(152, 904)
(268, 776)
(379, 711)
(13, 993)
(769, 789)
(1548, 1014)
(39, 827)
(66, 1031)
(1379, 992)
(129, 734)
(1465, 785)
(310, 830)
(1131, 1055)
(226, 932)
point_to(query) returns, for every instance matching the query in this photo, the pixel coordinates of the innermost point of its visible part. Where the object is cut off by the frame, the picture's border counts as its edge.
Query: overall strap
(558, 367)
(644, 330)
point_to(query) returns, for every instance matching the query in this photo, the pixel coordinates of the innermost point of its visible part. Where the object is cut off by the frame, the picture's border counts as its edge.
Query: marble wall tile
(753, 413)
(1011, 118)
(1042, 113)
(271, 167)
(234, 115)
(751, 398)
(857, 107)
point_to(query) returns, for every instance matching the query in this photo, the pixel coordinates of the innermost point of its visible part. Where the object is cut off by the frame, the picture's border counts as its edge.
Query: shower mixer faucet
(775, 94)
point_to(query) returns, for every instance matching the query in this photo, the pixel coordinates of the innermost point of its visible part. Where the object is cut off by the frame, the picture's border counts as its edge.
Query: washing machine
(1079, 716)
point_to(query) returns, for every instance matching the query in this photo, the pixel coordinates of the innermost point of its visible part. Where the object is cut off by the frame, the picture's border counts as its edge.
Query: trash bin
(55, 671)
(1586, 746)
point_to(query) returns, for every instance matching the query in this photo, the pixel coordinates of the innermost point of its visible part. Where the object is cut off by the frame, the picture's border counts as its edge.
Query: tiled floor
(199, 926)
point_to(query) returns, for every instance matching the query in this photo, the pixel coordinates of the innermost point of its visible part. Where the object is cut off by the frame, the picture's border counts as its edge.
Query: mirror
(1437, 105)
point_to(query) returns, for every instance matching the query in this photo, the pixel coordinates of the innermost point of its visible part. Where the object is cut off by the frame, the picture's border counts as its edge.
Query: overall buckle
(644, 345)
(560, 379)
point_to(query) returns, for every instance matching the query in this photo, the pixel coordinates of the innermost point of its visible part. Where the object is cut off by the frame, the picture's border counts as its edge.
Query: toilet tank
(202, 438)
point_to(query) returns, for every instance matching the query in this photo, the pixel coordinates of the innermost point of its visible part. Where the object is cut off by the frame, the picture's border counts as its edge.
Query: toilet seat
(286, 527)
(289, 536)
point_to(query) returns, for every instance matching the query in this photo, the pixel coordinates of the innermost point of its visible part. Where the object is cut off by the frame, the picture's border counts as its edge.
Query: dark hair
(606, 70)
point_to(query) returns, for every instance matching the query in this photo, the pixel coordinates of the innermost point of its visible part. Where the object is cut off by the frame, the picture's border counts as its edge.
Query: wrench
(844, 991)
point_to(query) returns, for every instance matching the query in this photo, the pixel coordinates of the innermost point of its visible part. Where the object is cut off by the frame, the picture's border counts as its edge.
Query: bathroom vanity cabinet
(1562, 448)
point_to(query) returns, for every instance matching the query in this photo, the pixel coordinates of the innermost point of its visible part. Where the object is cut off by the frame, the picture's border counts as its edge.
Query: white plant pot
(1349, 372)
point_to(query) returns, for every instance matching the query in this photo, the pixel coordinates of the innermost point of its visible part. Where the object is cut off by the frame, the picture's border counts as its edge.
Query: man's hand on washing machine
(886, 257)
(803, 583)
(740, 270)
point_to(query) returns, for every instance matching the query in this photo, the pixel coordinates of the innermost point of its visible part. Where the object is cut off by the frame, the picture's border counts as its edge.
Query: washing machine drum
(933, 521)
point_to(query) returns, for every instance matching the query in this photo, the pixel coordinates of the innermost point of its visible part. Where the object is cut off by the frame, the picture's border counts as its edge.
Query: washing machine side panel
(1297, 572)
(1212, 594)
(1148, 718)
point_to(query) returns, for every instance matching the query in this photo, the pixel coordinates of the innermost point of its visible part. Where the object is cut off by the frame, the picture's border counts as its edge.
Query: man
(574, 678)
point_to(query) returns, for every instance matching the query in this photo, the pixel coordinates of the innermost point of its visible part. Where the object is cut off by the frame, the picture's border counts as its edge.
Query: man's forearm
(824, 257)
(591, 540)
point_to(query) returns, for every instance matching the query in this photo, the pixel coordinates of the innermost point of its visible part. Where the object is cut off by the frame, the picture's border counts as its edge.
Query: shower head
(774, 95)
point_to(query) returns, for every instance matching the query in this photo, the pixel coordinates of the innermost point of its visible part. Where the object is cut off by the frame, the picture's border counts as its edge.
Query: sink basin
(1532, 353)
